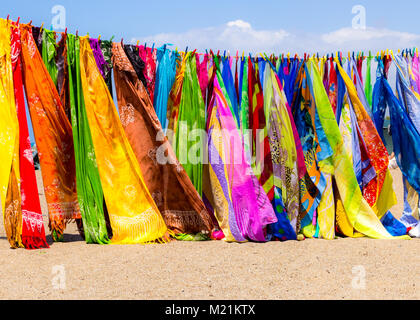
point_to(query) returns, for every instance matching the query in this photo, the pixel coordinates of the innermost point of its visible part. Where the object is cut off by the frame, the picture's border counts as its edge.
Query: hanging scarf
(53, 138)
(165, 77)
(174, 99)
(97, 53)
(188, 141)
(62, 74)
(106, 47)
(203, 76)
(358, 211)
(9, 143)
(148, 55)
(379, 192)
(89, 189)
(171, 189)
(133, 214)
(313, 184)
(368, 81)
(261, 154)
(283, 157)
(416, 71)
(240, 204)
(332, 93)
(405, 137)
(49, 53)
(138, 64)
(37, 34)
(33, 232)
(244, 105)
(229, 83)
(408, 97)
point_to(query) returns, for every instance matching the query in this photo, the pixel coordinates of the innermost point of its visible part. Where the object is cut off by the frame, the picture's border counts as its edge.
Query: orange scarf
(53, 136)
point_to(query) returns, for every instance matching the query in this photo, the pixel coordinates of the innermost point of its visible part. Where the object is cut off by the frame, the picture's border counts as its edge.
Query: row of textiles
(241, 149)
(115, 174)
(292, 150)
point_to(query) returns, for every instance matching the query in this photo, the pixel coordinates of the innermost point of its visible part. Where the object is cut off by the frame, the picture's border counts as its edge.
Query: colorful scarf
(171, 189)
(106, 47)
(9, 142)
(148, 55)
(53, 138)
(165, 77)
(240, 204)
(379, 191)
(405, 136)
(358, 211)
(49, 53)
(62, 74)
(283, 158)
(89, 189)
(134, 215)
(188, 141)
(33, 232)
(262, 160)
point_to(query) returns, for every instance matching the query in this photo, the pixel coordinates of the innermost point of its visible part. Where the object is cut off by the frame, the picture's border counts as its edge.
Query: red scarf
(33, 232)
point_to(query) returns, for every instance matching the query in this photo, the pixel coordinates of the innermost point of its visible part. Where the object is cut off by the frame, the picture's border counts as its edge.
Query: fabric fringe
(185, 220)
(57, 229)
(32, 243)
(148, 230)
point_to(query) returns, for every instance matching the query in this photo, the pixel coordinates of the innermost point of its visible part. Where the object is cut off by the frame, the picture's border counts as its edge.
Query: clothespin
(122, 42)
(153, 46)
(99, 38)
(30, 22)
(224, 54)
(8, 17)
(387, 53)
(18, 20)
(288, 57)
(42, 25)
(370, 54)
(237, 54)
(77, 33)
(243, 54)
(65, 32)
(164, 47)
(138, 42)
(186, 50)
(112, 38)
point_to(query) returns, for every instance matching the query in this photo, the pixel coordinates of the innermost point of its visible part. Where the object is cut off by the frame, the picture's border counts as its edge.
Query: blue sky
(295, 25)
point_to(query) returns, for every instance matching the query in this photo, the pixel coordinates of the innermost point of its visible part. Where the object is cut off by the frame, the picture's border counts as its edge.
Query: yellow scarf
(9, 143)
(133, 214)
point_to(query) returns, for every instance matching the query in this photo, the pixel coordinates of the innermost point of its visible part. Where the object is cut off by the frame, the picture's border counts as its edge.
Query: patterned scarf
(33, 232)
(9, 142)
(360, 215)
(171, 189)
(53, 138)
(134, 215)
(240, 204)
(89, 189)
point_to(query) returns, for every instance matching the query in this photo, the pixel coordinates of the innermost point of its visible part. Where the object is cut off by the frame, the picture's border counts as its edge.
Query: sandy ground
(313, 269)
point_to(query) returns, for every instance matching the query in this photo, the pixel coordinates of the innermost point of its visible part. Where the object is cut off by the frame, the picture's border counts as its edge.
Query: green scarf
(188, 144)
(89, 188)
(49, 53)
(368, 83)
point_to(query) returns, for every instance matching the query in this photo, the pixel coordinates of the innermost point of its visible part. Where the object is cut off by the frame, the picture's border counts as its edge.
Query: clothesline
(359, 54)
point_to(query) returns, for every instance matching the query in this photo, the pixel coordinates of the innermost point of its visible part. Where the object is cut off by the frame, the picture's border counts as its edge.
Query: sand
(312, 269)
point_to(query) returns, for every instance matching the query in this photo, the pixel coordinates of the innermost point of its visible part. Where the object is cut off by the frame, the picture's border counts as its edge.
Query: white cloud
(240, 35)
